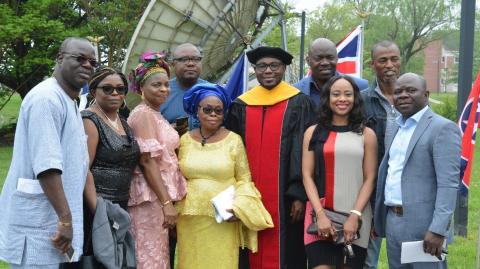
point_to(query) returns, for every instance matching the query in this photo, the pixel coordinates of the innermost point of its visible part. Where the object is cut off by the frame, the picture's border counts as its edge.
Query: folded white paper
(31, 186)
(413, 252)
(223, 201)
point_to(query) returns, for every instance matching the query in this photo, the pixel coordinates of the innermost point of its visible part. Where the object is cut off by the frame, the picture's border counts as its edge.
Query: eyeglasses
(82, 59)
(108, 89)
(273, 67)
(208, 110)
(186, 59)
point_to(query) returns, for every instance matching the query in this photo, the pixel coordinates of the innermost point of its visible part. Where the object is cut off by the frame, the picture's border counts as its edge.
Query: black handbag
(337, 219)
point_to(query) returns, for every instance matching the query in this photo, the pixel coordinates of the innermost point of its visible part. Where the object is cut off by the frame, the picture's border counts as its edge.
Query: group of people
(322, 169)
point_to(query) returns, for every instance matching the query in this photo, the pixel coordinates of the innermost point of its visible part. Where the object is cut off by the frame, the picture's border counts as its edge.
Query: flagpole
(361, 48)
(363, 16)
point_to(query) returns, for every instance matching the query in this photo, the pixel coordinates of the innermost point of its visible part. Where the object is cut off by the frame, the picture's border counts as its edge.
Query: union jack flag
(468, 123)
(349, 53)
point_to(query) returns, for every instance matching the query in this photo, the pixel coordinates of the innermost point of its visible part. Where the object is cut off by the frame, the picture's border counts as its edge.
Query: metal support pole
(283, 29)
(302, 47)
(467, 23)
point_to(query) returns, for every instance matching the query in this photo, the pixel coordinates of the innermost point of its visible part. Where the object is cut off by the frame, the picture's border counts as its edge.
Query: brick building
(440, 67)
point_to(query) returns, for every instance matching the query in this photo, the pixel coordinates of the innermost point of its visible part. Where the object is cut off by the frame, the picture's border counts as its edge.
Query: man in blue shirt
(187, 65)
(322, 58)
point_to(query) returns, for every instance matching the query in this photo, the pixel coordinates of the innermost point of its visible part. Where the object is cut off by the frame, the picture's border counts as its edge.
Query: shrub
(448, 109)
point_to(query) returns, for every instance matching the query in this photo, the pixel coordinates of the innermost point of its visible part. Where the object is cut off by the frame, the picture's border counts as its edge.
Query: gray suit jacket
(111, 237)
(430, 179)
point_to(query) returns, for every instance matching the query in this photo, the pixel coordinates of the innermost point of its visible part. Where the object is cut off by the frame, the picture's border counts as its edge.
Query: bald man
(42, 198)
(187, 66)
(418, 177)
(322, 58)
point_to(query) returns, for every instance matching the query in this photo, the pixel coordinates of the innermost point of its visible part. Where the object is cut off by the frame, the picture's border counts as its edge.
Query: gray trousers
(395, 236)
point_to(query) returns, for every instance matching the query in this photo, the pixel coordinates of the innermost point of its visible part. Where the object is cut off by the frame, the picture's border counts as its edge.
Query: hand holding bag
(338, 219)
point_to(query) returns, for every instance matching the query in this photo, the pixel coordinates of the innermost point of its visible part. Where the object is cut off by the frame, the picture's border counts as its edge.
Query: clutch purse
(337, 219)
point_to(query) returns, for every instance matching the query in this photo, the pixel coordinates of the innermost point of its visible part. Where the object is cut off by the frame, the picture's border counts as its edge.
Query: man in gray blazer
(418, 177)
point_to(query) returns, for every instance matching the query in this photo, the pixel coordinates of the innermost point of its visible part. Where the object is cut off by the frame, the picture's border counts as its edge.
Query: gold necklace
(113, 123)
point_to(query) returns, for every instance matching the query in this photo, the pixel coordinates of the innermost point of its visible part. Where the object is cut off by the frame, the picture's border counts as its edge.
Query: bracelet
(166, 202)
(65, 224)
(319, 211)
(356, 212)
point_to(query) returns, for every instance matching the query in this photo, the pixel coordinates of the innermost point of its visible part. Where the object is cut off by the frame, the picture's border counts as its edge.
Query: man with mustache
(381, 114)
(418, 177)
(42, 198)
(187, 65)
(271, 119)
(322, 58)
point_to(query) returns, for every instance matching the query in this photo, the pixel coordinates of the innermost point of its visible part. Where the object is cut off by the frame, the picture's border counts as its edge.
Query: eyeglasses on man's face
(263, 67)
(82, 59)
(108, 89)
(208, 110)
(187, 59)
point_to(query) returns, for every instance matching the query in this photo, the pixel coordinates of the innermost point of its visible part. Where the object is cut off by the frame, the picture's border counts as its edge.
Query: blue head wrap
(198, 92)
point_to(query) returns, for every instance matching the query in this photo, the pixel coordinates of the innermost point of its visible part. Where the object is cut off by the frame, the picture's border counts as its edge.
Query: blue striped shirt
(49, 135)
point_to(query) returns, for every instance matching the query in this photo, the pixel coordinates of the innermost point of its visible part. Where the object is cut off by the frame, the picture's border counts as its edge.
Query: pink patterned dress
(155, 136)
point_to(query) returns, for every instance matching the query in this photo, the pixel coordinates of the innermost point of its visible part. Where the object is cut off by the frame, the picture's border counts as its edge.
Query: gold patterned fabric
(209, 170)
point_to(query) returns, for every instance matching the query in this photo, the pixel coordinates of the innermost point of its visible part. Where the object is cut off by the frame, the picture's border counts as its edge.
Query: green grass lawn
(5, 157)
(10, 111)
(462, 252)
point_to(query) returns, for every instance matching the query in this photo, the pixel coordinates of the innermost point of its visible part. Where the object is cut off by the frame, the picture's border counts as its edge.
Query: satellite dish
(219, 27)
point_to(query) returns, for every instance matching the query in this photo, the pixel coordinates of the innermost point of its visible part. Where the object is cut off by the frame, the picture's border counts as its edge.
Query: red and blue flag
(350, 53)
(468, 124)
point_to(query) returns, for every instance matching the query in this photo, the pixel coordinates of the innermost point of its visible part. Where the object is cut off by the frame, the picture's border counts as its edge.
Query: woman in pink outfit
(157, 181)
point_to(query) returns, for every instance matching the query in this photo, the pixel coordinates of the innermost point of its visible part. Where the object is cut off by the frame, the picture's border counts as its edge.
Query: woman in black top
(112, 148)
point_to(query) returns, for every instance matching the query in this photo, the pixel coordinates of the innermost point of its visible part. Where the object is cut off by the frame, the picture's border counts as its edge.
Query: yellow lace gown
(202, 242)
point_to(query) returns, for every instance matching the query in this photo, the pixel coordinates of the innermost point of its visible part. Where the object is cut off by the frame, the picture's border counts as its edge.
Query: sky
(307, 5)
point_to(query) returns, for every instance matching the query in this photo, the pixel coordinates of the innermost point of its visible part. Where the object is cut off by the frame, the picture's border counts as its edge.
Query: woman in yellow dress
(213, 158)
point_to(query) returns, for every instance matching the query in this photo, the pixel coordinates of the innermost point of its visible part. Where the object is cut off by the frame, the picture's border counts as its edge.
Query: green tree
(31, 32)
(412, 24)
(115, 21)
(332, 21)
